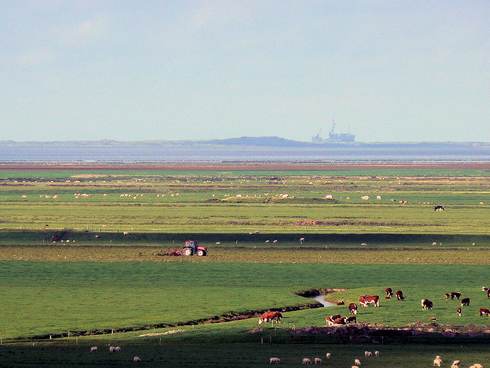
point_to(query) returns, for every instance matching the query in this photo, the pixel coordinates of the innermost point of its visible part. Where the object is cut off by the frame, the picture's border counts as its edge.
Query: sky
(414, 70)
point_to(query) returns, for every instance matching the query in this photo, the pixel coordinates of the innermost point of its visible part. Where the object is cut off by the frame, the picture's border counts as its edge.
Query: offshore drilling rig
(334, 137)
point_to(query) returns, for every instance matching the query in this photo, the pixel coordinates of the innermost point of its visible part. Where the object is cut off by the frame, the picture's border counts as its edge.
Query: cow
(452, 295)
(357, 362)
(484, 312)
(336, 319)
(399, 295)
(426, 304)
(459, 311)
(388, 293)
(270, 317)
(465, 302)
(351, 319)
(328, 355)
(93, 349)
(317, 360)
(439, 208)
(365, 300)
(368, 354)
(136, 359)
(353, 308)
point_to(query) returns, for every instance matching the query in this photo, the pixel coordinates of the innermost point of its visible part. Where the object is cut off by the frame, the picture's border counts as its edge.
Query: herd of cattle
(366, 300)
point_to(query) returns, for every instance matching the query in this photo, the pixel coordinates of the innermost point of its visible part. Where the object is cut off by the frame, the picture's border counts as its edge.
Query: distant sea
(202, 152)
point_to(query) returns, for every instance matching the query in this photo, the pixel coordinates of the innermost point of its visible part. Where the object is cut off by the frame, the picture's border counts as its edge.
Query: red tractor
(192, 247)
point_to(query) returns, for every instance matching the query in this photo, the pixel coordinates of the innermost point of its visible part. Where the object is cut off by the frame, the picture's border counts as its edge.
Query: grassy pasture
(45, 297)
(235, 355)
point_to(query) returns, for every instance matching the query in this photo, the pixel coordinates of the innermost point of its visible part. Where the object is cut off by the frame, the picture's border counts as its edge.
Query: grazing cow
(484, 312)
(365, 300)
(456, 364)
(317, 360)
(351, 319)
(465, 302)
(426, 304)
(368, 354)
(270, 317)
(353, 308)
(437, 361)
(136, 359)
(93, 349)
(357, 362)
(376, 353)
(452, 295)
(328, 355)
(306, 361)
(274, 360)
(459, 311)
(388, 293)
(399, 295)
(439, 208)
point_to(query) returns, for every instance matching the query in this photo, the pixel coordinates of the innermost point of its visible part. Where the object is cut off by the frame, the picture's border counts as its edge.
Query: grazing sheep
(93, 349)
(456, 364)
(328, 355)
(136, 359)
(317, 360)
(437, 361)
(357, 362)
(306, 361)
(354, 366)
(111, 348)
(274, 360)
(376, 354)
(476, 365)
(368, 354)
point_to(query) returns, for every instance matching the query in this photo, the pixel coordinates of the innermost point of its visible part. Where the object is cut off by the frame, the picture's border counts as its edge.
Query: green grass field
(110, 280)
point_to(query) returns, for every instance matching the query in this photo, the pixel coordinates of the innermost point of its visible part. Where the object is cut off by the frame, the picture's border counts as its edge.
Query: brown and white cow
(353, 308)
(484, 312)
(399, 295)
(388, 293)
(365, 300)
(426, 304)
(336, 319)
(453, 295)
(270, 317)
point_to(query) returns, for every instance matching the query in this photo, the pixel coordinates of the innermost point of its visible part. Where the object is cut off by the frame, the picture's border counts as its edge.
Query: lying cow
(365, 300)
(353, 308)
(399, 295)
(484, 312)
(465, 302)
(350, 319)
(388, 293)
(426, 304)
(270, 317)
(453, 295)
(336, 319)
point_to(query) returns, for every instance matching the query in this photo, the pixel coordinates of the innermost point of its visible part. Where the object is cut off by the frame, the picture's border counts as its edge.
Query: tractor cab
(192, 247)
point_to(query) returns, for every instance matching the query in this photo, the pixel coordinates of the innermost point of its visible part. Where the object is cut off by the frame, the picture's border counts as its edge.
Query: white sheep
(476, 365)
(437, 361)
(317, 360)
(357, 362)
(136, 359)
(456, 364)
(306, 361)
(274, 360)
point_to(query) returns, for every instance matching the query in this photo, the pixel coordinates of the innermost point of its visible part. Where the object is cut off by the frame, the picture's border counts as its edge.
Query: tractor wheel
(187, 252)
(201, 253)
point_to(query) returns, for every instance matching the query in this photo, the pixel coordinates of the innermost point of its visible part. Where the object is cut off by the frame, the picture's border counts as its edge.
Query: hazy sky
(129, 70)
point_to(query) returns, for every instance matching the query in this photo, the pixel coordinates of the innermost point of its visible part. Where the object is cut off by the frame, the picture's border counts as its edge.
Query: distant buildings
(334, 137)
